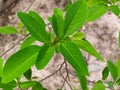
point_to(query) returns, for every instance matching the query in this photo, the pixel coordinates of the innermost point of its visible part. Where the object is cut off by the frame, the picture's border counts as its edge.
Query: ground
(102, 33)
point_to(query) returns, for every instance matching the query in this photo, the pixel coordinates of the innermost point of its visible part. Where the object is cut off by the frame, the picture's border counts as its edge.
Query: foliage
(64, 38)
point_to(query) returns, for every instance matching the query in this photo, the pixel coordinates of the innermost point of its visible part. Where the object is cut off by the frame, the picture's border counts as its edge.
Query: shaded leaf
(19, 63)
(28, 74)
(112, 68)
(44, 56)
(8, 30)
(33, 26)
(74, 56)
(105, 73)
(75, 17)
(110, 84)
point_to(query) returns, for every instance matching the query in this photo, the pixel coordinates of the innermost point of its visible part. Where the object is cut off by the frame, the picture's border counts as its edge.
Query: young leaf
(28, 84)
(118, 67)
(38, 18)
(28, 74)
(78, 36)
(115, 9)
(86, 46)
(98, 86)
(44, 56)
(19, 63)
(75, 17)
(1, 67)
(58, 25)
(27, 42)
(38, 86)
(58, 11)
(8, 30)
(96, 11)
(74, 56)
(83, 82)
(113, 70)
(93, 2)
(110, 84)
(105, 73)
(33, 26)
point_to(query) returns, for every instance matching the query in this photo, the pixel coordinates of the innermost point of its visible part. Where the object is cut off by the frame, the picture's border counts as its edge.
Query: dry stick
(14, 46)
(52, 73)
(65, 80)
(20, 39)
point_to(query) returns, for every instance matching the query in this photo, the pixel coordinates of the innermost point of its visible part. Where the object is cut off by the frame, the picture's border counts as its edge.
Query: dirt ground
(102, 33)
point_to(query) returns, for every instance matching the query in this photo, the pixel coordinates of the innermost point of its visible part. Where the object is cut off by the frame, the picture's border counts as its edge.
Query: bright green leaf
(8, 30)
(28, 74)
(115, 9)
(58, 11)
(58, 25)
(33, 26)
(113, 70)
(19, 63)
(105, 73)
(93, 2)
(86, 46)
(75, 17)
(98, 86)
(96, 11)
(118, 67)
(83, 82)
(74, 56)
(28, 84)
(1, 67)
(27, 42)
(38, 18)
(78, 36)
(44, 56)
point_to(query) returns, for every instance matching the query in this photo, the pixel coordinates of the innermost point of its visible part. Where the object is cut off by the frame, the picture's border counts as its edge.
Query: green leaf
(33, 26)
(93, 2)
(113, 70)
(38, 18)
(1, 67)
(19, 63)
(9, 85)
(83, 82)
(105, 73)
(28, 84)
(75, 17)
(74, 56)
(86, 46)
(38, 86)
(58, 11)
(110, 84)
(98, 86)
(118, 81)
(96, 11)
(115, 9)
(118, 67)
(44, 56)
(58, 25)
(8, 30)
(78, 36)
(28, 74)
(27, 42)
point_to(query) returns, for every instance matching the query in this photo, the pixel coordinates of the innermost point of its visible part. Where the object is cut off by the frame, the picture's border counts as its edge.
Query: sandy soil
(102, 33)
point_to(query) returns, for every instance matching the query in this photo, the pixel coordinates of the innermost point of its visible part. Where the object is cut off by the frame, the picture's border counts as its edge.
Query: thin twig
(52, 73)
(14, 46)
